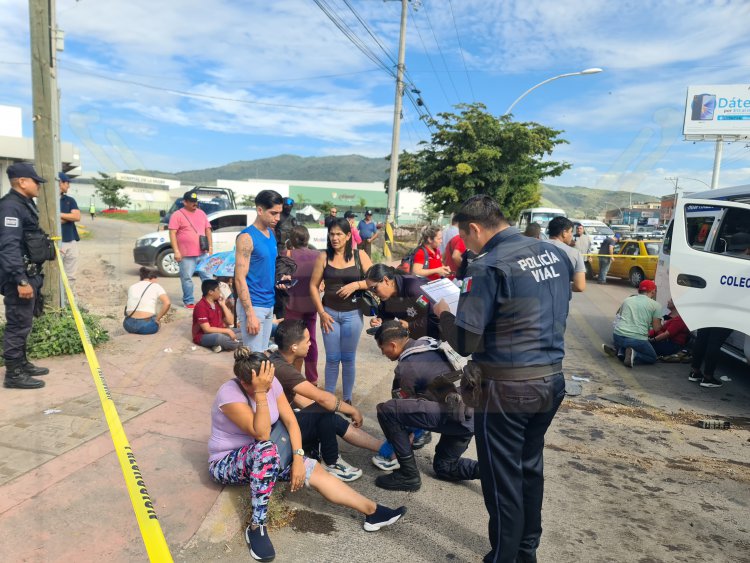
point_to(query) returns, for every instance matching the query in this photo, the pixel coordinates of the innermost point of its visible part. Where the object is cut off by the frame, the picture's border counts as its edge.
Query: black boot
(405, 478)
(32, 370)
(17, 378)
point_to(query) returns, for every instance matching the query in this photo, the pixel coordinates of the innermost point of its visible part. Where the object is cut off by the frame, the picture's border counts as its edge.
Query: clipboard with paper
(442, 289)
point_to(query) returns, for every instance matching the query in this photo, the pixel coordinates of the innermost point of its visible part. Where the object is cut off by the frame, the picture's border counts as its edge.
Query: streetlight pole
(543, 82)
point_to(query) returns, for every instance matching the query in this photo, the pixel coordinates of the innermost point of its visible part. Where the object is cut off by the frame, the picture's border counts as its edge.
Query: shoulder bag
(125, 309)
(202, 239)
(367, 302)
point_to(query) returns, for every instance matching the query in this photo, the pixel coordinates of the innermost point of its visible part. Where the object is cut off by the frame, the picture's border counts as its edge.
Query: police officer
(511, 315)
(401, 298)
(425, 401)
(20, 279)
(286, 223)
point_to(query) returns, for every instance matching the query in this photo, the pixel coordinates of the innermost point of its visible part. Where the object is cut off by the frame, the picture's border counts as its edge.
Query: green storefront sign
(341, 197)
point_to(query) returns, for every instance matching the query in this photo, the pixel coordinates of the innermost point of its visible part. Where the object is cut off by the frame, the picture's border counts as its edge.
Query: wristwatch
(23, 283)
(299, 452)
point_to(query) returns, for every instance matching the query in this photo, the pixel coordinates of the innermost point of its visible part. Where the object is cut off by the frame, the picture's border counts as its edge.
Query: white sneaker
(384, 463)
(342, 470)
(216, 349)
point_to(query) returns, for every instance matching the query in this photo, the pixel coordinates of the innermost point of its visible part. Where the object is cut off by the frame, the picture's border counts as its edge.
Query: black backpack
(407, 262)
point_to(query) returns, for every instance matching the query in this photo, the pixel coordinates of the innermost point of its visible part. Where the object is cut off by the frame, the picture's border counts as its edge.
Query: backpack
(407, 262)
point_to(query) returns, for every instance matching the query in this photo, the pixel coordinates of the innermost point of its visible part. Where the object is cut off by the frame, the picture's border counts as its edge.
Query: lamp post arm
(542, 83)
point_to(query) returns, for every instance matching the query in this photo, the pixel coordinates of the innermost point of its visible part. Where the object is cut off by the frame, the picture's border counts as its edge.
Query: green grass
(134, 216)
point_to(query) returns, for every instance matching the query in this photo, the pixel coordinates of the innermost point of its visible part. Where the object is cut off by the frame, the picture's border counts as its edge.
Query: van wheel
(636, 277)
(167, 265)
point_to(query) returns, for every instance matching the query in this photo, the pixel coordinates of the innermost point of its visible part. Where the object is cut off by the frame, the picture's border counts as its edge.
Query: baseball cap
(350, 215)
(24, 170)
(368, 212)
(288, 201)
(63, 177)
(190, 196)
(647, 285)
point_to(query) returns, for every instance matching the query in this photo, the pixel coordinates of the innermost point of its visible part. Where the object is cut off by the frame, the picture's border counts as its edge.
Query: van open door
(709, 269)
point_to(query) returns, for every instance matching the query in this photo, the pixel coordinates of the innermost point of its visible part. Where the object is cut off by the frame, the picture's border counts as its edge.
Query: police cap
(24, 170)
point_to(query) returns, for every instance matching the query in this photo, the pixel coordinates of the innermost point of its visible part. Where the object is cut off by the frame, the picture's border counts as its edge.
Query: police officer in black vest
(511, 316)
(20, 278)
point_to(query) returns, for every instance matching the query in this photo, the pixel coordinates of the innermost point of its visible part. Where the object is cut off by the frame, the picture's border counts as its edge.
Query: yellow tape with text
(153, 537)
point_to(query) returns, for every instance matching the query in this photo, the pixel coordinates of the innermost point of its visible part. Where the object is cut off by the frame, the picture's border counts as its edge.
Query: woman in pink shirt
(243, 416)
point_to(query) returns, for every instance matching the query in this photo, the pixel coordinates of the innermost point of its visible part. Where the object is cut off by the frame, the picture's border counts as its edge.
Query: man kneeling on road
(317, 410)
(637, 315)
(427, 401)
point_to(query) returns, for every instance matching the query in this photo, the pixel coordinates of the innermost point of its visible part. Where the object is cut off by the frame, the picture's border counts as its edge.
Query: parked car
(155, 249)
(635, 260)
(210, 200)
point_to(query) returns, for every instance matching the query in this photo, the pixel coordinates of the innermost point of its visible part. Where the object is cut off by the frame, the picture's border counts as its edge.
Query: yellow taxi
(634, 260)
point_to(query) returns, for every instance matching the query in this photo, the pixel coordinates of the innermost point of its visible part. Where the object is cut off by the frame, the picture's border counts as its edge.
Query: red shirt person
(430, 245)
(454, 252)
(213, 321)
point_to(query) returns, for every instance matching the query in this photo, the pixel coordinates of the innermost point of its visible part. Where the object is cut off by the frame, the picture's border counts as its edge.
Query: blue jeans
(140, 326)
(644, 352)
(187, 269)
(604, 265)
(341, 348)
(257, 342)
(217, 339)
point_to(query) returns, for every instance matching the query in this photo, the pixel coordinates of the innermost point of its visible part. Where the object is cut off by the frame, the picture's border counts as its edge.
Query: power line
(440, 50)
(221, 98)
(372, 34)
(429, 59)
(461, 50)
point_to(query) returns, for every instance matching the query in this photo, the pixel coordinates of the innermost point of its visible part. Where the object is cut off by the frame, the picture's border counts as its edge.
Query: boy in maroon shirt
(212, 320)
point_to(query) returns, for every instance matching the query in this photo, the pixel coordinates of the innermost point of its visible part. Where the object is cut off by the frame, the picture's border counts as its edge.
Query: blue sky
(179, 85)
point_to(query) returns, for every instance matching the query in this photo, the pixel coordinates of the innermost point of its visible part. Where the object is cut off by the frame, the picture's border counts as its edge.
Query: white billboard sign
(715, 110)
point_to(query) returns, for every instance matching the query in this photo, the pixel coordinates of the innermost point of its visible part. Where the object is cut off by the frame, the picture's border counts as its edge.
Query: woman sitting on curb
(241, 451)
(140, 311)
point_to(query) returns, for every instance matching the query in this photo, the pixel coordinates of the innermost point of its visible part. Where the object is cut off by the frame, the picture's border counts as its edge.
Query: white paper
(442, 289)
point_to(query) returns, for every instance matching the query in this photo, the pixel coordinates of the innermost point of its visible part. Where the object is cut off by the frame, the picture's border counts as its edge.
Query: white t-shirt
(149, 299)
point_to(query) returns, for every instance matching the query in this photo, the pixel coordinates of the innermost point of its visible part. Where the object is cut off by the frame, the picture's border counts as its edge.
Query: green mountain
(348, 168)
(578, 201)
(583, 203)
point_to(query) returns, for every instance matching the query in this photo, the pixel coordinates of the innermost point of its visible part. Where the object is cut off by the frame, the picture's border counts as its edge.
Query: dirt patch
(313, 522)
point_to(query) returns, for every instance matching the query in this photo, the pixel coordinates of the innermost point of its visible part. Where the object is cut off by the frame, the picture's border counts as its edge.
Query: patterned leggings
(256, 464)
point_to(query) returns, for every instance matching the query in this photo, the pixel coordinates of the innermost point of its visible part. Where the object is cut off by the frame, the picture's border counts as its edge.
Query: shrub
(55, 334)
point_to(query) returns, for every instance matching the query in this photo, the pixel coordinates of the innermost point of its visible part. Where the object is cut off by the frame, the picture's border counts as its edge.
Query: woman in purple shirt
(241, 452)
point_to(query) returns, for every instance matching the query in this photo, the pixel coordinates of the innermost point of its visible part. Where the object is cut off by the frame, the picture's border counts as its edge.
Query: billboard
(717, 110)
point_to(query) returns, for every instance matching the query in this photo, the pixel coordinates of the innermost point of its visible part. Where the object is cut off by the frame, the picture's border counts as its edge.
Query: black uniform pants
(707, 348)
(318, 425)
(19, 314)
(510, 427)
(398, 416)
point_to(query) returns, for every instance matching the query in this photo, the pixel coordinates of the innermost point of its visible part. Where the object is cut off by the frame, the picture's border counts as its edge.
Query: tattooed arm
(242, 252)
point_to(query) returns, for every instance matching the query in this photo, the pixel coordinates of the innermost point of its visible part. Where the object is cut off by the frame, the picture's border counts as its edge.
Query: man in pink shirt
(186, 226)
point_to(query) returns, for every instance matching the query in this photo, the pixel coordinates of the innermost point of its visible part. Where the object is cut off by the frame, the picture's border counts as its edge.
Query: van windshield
(543, 218)
(596, 230)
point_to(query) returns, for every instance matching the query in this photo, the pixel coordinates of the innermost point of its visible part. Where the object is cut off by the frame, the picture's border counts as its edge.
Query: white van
(705, 264)
(596, 230)
(541, 215)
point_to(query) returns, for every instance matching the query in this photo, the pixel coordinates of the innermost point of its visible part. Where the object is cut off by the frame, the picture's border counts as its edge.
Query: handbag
(367, 302)
(279, 435)
(202, 239)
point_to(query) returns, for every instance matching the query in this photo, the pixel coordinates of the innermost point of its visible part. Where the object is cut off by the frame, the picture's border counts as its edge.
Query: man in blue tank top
(255, 272)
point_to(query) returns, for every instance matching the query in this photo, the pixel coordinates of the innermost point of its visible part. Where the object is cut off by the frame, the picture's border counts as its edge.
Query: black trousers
(510, 427)
(321, 427)
(19, 314)
(707, 348)
(397, 416)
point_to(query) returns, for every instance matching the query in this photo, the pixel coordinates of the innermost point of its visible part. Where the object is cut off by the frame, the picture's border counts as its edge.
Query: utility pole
(675, 180)
(397, 105)
(717, 163)
(46, 130)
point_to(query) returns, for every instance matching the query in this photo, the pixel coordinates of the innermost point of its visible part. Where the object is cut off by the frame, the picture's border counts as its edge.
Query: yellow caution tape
(153, 537)
(388, 240)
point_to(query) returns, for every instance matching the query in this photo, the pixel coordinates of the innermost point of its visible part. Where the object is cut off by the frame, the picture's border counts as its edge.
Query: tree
(108, 189)
(363, 203)
(474, 152)
(326, 206)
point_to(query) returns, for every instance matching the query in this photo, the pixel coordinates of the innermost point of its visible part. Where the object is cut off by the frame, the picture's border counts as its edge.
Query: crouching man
(426, 400)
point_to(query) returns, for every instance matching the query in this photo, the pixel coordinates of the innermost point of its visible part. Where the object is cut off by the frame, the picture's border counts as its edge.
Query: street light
(582, 72)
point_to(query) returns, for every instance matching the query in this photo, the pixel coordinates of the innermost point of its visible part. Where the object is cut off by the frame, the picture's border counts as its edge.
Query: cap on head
(368, 212)
(24, 170)
(350, 215)
(63, 177)
(647, 285)
(288, 201)
(190, 196)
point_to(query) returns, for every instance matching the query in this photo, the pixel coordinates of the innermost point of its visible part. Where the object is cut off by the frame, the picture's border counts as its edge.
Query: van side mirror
(162, 213)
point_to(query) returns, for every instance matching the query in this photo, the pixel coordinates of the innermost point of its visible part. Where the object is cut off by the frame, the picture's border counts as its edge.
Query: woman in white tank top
(141, 314)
